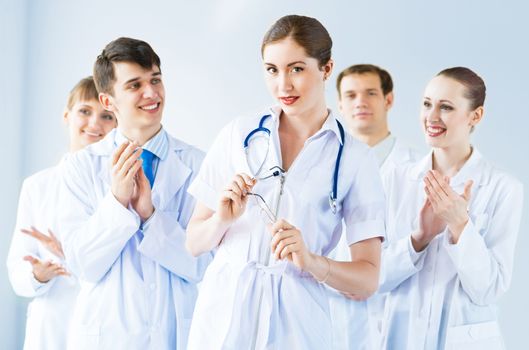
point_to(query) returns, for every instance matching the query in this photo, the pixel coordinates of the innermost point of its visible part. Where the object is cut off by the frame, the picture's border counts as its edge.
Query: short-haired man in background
(365, 96)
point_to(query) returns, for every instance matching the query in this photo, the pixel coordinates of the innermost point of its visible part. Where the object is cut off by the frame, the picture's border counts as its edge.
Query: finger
(142, 180)
(48, 263)
(433, 194)
(134, 170)
(468, 190)
(131, 163)
(250, 181)
(36, 234)
(130, 152)
(438, 183)
(281, 245)
(57, 268)
(436, 180)
(444, 183)
(240, 182)
(231, 196)
(33, 261)
(433, 200)
(238, 189)
(59, 252)
(288, 250)
(281, 224)
(117, 153)
(52, 235)
(277, 238)
(123, 166)
(62, 272)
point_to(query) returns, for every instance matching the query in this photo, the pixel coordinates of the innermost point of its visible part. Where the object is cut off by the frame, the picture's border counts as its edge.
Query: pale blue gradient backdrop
(210, 53)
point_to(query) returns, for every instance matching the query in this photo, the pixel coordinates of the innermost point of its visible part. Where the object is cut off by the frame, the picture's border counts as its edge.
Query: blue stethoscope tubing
(333, 195)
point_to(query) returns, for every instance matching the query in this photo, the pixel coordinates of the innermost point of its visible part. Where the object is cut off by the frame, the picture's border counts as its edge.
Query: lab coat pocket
(477, 336)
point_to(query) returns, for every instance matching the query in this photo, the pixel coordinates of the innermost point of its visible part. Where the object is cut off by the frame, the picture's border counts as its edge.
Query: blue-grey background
(212, 72)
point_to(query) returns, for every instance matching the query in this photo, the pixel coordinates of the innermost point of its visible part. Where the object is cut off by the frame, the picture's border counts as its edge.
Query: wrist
(147, 214)
(219, 221)
(456, 230)
(417, 243)
(319, 267)
(124, 202)
(39, 279)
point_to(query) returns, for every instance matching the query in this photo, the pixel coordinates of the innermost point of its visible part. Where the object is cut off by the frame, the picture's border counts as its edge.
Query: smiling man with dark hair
(126, 209)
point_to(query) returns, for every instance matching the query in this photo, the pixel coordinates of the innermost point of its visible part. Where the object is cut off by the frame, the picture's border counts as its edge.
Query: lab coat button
(152, 286)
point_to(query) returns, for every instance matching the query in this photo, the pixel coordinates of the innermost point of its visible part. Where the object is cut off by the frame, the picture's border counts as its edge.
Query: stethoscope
(278, 171)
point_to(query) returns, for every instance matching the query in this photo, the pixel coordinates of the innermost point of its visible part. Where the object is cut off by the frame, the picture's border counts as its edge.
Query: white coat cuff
(469, 251)
(119, 214)
(414, 255)
(145, 225)
(39, 287)
(164, 243)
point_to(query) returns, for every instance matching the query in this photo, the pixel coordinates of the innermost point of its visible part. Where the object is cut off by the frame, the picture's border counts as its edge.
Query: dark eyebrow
(131, 80)
(154, 74)
(296, 62)
(288, 65)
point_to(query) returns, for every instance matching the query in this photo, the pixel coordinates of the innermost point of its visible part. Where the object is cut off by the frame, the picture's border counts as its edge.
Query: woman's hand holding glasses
(234, 198)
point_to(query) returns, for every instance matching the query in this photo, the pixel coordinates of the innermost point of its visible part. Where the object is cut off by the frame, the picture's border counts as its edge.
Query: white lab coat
(354, 320)
(138, 289)
(247, 301)
(445, 297)
(49, 313)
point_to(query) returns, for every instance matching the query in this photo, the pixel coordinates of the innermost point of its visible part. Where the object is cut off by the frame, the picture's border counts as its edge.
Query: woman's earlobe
(65, 116)
(477, 116)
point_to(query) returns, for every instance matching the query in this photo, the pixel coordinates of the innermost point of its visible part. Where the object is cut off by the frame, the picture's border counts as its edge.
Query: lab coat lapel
(171, 175)
(104, 150)
(472, 170)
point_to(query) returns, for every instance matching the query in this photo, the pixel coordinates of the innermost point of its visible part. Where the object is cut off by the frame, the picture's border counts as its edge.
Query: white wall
(13, 29)
(211, 64)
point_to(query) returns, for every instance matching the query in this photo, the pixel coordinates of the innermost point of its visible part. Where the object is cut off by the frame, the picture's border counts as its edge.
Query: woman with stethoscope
(271, 196)
(35, 259)
(453, 219)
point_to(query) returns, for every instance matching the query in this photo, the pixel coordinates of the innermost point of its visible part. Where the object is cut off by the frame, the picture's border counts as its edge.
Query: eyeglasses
(265, 209)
